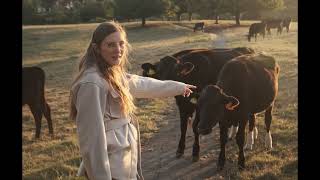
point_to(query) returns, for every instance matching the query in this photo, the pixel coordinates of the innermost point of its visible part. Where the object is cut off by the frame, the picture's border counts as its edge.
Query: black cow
(199, 25)
(246, 85)
(200, 68)
(286, 23)
(149, 70)
(255, 29)
(274, 23)
(33, 94)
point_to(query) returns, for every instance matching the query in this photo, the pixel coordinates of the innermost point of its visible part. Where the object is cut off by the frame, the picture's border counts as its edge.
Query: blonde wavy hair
(114, 75)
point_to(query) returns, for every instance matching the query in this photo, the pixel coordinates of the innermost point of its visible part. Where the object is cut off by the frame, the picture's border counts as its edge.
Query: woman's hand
(187, 90)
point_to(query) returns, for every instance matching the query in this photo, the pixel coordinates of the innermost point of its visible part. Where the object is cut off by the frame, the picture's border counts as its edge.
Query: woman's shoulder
(92, 76)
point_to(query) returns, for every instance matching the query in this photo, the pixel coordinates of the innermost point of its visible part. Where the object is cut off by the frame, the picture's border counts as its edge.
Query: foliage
(92, 10)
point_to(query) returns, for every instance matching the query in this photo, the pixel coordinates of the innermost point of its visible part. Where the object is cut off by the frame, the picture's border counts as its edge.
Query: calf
(199, 25)
(246, 85)
(255, 29)
(200, 68)
(33, 95)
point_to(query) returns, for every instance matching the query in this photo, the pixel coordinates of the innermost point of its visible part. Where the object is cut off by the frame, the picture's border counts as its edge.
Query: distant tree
(92, 10)
(192, 6)
(210, 9)
(237, 7)
(48, 4)
(181, 7)
(29, 8)
(147, 8)
(139, 9)
(124, 9)
(170, 8)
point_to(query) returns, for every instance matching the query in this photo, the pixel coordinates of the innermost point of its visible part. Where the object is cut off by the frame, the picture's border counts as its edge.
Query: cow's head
(150, 70)
(212, 104)
(173, 68)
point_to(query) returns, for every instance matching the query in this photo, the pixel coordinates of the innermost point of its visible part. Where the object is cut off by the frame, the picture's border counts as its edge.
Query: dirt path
(158, 154)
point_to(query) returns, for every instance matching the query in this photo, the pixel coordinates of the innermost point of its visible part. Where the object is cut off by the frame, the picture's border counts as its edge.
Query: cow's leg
(183, 130)
(37, 114)
(253, 131)
(47, 115)
(223, 141)
(196, 146)
(255, 37)
(240, 141)
(268, 119)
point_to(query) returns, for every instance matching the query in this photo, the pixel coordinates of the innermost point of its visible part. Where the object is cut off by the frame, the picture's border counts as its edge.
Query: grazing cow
(286, 23)
(33, 94)
(199, 25)
(256, 28)
(246, 85)
(273, 23)
(200, 68)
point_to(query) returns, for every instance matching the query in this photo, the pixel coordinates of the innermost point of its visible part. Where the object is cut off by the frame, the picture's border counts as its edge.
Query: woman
(102, 105)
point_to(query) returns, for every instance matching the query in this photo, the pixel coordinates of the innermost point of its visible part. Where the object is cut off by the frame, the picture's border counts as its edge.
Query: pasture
(57, 48)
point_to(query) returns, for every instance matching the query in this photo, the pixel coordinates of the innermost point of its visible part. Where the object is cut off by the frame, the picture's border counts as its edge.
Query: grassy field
(57, 49)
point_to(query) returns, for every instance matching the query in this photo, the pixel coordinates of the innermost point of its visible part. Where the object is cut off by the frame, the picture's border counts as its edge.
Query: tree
(210, 9)
(186, 6)
(181, 7)
(170, 9)
(149, 8)
(125, 9)
(237, 7)
(192, 6)
(48, 4)
(92, 10)
(139, 9)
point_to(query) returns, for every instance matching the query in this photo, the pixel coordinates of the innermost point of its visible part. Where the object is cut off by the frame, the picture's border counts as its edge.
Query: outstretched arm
(145, 87)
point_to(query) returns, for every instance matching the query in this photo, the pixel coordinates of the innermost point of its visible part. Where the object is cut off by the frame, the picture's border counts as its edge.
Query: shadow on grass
(64, 170)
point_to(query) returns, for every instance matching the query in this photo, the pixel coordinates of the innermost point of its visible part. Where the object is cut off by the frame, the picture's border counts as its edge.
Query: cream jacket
(109, 142)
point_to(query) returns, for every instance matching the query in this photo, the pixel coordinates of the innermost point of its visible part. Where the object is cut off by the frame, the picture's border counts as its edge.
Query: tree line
(83, 11)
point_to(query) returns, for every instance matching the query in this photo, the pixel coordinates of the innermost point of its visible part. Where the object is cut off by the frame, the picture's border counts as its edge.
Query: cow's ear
(186, 68)
(146, 66)
(231, 102)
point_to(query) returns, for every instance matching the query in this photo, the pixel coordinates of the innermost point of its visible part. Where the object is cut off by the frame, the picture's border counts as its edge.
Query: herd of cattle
(233, 84)
(266, 26)
(259, 28)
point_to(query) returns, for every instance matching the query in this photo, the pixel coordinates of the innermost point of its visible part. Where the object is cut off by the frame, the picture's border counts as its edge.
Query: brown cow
(33, 95)
(246, 85)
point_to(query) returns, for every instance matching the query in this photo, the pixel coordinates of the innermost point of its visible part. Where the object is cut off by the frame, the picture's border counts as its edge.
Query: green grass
(57, 50)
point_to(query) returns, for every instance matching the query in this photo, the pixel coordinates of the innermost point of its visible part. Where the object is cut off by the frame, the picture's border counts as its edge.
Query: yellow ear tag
(151, 72)
(193, 100)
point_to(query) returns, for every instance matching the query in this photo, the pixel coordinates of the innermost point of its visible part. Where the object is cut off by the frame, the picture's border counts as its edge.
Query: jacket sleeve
(145, 87)
(90, 104)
